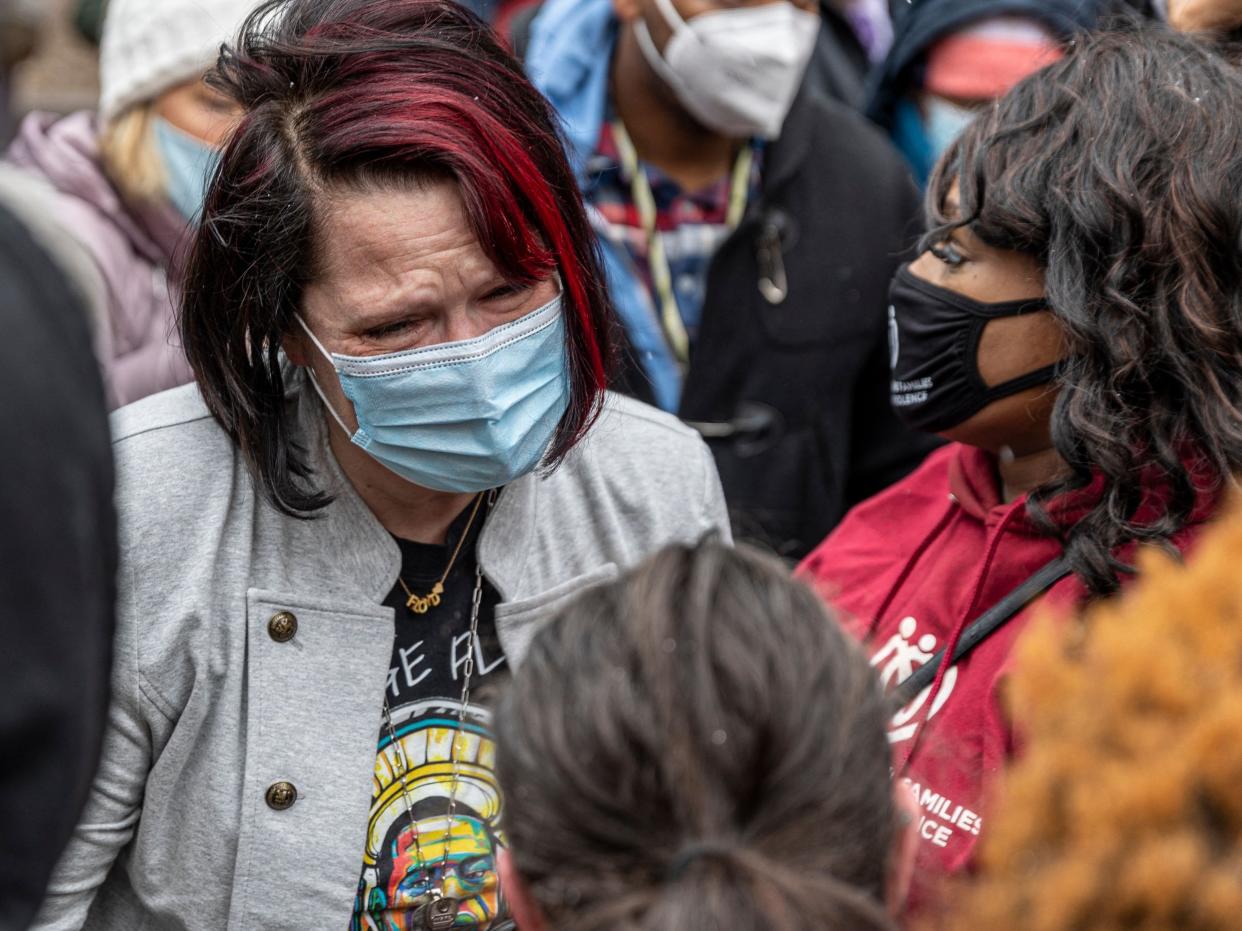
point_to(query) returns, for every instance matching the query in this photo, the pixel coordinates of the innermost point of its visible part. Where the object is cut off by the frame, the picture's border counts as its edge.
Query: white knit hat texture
(149, 46)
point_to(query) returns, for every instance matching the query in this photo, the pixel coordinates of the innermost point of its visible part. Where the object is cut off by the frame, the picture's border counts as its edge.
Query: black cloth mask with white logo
(933, 338)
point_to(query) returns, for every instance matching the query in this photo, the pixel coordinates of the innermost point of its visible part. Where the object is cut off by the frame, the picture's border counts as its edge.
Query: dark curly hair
(1119, 168)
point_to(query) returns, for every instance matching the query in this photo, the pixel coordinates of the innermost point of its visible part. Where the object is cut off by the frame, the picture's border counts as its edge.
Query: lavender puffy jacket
(135, 252)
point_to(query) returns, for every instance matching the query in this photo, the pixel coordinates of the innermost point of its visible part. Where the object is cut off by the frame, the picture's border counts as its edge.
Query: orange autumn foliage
(1125, 809)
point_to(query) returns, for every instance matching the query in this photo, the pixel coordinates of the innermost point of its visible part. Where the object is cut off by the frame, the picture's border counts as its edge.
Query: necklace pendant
(440, 914)
(434, 598)
(418, 605)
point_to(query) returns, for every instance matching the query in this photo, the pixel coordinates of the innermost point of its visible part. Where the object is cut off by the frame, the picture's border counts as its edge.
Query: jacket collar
(364, 555)
(569, 59)
(788, 154)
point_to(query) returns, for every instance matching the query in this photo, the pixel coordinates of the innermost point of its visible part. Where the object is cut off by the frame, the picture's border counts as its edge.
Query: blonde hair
(1125, 811)
(130, 156)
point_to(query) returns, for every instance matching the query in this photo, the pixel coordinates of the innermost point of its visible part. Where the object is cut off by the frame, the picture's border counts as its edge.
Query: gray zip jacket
(212, 704)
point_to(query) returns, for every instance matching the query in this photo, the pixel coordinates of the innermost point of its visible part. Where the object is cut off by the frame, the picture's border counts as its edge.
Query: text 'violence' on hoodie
(908, 570)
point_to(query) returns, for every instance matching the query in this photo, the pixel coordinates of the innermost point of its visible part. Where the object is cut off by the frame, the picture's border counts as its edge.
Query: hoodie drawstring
(955, 635)
(908, 568)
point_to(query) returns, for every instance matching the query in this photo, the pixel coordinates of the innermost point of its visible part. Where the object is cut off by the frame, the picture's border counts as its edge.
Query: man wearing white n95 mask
(735, 70)
(750, 229)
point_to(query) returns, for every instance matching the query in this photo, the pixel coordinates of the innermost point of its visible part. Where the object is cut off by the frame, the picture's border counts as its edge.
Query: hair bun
(696, 851)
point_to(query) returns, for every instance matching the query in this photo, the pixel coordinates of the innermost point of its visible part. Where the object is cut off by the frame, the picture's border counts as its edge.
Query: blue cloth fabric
(910, 137)
(571, 45)
(569, 57)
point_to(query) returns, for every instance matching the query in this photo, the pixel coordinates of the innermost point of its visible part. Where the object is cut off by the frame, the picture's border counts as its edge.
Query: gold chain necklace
(423, 604)
(434, 910)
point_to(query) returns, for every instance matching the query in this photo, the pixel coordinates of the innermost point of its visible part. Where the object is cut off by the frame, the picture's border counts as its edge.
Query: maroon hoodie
(909, 569)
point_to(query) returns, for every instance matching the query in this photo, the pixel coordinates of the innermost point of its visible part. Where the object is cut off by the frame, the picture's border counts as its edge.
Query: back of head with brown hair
(1125, 810)
(699, 746)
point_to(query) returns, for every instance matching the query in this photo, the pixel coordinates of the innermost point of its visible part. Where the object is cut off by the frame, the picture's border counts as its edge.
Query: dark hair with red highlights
(355, 94)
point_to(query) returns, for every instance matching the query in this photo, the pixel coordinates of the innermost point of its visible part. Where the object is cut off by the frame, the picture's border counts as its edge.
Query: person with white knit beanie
(131, 177)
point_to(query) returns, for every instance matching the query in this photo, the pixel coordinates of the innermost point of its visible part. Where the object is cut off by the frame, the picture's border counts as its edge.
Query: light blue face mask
(189, 164)
(461, 417)
(944, 122)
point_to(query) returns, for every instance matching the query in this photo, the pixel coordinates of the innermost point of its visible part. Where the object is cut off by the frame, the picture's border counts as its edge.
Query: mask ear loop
(647, 44)
(992, 393)
(648, 47)
(315, 381)
(671, 16)
(1044, 376)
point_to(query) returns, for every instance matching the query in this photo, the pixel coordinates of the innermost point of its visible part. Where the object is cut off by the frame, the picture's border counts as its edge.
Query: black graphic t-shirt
(413, 847)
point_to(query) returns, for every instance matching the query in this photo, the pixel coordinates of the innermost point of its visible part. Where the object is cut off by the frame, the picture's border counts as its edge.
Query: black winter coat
(58, 555)
(793, 396)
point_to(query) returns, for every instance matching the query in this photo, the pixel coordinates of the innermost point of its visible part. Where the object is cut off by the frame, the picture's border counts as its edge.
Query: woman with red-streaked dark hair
(398, 461)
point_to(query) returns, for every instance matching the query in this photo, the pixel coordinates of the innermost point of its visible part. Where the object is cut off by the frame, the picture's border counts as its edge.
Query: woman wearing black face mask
(1075, 327)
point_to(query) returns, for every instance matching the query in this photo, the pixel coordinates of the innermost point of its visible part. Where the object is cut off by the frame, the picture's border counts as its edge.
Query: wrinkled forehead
(379, 245)
(363, 229)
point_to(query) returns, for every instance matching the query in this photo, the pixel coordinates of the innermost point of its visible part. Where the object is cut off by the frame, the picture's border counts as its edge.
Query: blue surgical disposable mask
(944, 122)
(189, 164)
(465, 416)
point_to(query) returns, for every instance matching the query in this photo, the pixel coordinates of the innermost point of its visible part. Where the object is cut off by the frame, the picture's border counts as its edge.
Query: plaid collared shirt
(691, 224)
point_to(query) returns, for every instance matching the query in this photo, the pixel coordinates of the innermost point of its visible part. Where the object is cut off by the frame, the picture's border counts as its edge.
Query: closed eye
(505, 290)
(948, 253)
(389, 329)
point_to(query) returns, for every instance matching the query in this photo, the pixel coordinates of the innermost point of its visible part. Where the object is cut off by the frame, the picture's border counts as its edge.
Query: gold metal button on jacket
(281, 795)
(282, 626)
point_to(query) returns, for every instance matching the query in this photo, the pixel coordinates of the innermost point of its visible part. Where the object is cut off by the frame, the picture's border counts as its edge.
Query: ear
(525, 911)
(905, 845)
(627, 10)
(297, 349)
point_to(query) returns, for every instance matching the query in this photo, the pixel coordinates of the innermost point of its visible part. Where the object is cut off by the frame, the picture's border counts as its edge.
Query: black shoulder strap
(984, 626)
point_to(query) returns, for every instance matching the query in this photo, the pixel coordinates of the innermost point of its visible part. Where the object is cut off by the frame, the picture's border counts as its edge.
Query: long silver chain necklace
(434, 910)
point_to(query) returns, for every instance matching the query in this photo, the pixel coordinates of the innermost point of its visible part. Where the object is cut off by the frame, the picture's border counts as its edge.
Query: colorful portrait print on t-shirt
(413, 846)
